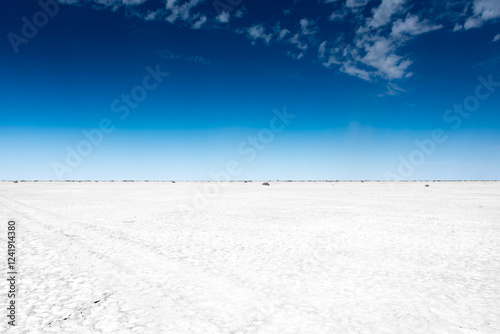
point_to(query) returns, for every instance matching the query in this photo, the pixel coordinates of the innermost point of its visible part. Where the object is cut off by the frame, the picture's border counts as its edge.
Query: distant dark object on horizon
(265, 184)
(426, 185)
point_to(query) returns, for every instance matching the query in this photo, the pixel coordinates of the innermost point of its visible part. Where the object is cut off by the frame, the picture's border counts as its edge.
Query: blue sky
(161, 90)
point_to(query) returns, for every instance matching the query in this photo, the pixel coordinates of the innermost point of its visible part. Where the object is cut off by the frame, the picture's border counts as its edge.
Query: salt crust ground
(288, 258)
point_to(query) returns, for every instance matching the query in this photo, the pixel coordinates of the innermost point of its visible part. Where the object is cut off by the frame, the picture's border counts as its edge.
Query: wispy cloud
(295, 39)
(413, 26)
(331, 61)
(338, 15)
(307, 27)
(240, 13)
(172, 56)
(182, 12)
(356, 4)
(322, 50)
(303, 37)
(296, 56)
(153, 15)
(392, 90)
(351, 69)
(283, 33)
(198, 24)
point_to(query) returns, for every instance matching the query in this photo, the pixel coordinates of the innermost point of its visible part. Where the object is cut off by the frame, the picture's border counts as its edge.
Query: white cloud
(170, 4)
(257, 31)
(223, 17)
(113, 4)
(458, 27)
(307, 27)
(487, 9)
(295, 39)
(381, 56)
(199, 23)
(375, 49)
(283, 33)
(279, 32)
(383, 13)
(412, 26)
(304, 35)
(496, 38)
(151, 16)
(322, 49)
(484, 10)
(133, 2)
(239, 13)
(337, 15)
(473, 22)
(339, 56)
(331, 60)
(68, 2)
(351, 69)
(354, 4)
(173, 16)
(296, 56)
(182, 11)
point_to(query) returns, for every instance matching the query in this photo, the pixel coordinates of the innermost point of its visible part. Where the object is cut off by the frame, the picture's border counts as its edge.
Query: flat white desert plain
(292, 257)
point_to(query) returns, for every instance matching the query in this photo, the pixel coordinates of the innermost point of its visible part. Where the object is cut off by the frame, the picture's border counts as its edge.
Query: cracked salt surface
(113, 257)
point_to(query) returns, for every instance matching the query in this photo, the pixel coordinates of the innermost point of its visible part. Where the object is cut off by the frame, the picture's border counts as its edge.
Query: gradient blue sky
(365, 79)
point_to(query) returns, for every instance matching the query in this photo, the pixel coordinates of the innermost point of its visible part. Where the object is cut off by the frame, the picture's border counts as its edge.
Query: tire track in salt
(124, 270)
(125, 275)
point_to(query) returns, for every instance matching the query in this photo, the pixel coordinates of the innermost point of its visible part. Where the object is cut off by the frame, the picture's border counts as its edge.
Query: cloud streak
(172, 56)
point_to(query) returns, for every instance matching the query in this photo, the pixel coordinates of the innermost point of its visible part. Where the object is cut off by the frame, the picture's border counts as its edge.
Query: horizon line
(259, 180)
